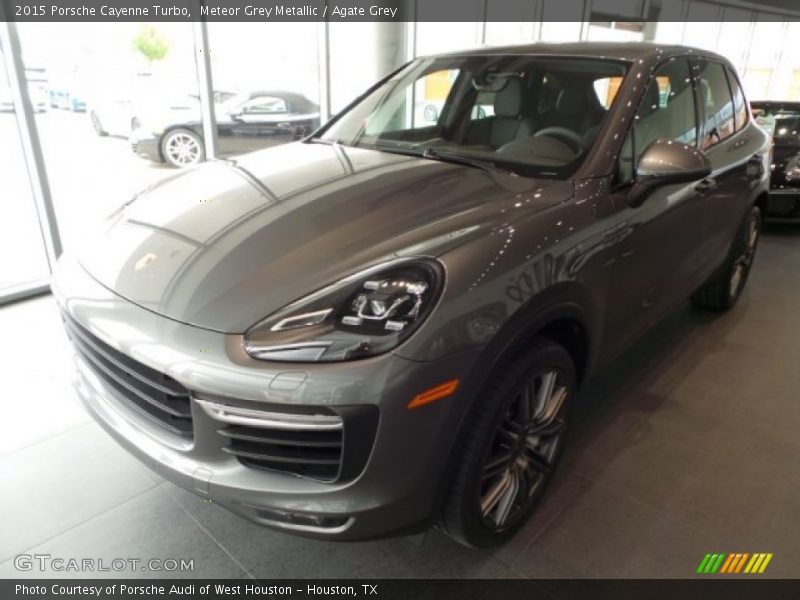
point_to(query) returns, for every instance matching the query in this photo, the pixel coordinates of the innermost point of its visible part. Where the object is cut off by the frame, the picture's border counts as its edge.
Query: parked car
(782, 121)
(245, 122)
(113, 110)
(384, 326)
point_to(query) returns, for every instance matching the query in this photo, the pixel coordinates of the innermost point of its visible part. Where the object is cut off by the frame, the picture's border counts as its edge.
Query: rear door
(734, 147)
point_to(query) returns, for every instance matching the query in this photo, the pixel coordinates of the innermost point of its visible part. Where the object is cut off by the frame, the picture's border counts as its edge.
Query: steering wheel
(569, 137)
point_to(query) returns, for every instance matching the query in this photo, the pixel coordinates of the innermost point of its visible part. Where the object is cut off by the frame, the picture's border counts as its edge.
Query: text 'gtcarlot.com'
(47, 562)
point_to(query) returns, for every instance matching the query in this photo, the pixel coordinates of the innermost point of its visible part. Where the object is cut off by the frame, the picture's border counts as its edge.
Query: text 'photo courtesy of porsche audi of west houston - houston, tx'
(382, 326)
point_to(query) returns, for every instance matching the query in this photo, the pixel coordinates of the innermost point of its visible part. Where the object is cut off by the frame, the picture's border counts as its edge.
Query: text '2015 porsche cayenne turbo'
(384, 325)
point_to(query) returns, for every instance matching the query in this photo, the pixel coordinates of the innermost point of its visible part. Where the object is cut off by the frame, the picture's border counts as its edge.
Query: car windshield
(781, 122)
(531, 115)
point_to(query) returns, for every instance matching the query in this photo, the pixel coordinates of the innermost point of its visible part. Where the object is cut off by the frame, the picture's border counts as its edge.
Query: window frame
(688, 60)
(730, 74)
(700, 101)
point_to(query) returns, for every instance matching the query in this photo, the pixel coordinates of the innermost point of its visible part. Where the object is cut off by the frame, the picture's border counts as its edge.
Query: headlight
(360, 316)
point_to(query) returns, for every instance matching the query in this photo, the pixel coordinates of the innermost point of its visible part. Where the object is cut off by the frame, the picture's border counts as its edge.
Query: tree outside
(151, 44)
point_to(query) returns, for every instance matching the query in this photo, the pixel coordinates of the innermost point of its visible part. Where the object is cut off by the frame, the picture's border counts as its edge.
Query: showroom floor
(688, 444)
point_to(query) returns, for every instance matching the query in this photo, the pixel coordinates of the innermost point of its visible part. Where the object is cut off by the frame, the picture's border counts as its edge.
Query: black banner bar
(378, 10)
(733, 588)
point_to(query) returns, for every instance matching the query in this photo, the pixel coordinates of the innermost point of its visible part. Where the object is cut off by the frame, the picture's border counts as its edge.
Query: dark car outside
(384, 325)
(245, 122)
(781, 120)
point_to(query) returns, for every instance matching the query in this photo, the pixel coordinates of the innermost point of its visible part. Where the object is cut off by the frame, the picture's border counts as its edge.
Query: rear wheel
(724, 288)
(182, 148)
(511, 446)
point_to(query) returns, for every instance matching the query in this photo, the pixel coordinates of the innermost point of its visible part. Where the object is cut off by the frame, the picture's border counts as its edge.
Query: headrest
(508, 101)
(571, 102)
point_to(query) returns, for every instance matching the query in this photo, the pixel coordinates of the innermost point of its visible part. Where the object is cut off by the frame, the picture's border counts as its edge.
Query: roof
(629, 51)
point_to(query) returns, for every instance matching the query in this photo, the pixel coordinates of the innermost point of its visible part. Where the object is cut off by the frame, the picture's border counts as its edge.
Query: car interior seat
(509, 123)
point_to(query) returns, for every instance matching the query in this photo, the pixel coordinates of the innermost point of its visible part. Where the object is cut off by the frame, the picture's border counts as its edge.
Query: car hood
(226, 244)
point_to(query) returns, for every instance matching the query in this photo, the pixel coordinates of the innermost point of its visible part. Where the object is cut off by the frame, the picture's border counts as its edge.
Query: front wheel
(182, 148)
(724, 288)
(511, 446)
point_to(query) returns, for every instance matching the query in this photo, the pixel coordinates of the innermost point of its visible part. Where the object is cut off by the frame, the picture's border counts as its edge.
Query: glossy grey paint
(176, 277)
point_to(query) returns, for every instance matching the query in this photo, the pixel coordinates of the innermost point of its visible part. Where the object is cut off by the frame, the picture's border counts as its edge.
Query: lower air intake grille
(152, 394)
(319, 443)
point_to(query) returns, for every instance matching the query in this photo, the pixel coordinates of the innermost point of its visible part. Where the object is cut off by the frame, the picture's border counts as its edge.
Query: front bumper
(398, 487)
(146, 146)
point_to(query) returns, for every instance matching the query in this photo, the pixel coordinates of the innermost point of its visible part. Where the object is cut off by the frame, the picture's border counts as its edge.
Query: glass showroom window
(503, 33)
(791, 58)
(734, 35)
(703, 25)
(763, 57)
(266, 83)
(105, 93)
(435, 38)
(23, 261)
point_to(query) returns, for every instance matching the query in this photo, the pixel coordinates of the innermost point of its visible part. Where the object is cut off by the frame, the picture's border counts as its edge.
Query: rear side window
(718, 103)
(739, 106)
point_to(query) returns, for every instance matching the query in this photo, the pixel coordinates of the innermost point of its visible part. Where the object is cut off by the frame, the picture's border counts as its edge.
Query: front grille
(152, 394)
(314, 442)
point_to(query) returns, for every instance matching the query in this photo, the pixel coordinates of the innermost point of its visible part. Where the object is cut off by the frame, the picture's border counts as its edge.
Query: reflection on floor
(687, 445)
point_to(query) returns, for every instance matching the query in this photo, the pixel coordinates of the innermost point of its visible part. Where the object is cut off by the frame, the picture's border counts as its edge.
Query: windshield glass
(528, 114)
(781, 122)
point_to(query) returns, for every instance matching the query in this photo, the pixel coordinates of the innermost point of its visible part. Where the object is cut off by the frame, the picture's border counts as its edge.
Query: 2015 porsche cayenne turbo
(384, 325)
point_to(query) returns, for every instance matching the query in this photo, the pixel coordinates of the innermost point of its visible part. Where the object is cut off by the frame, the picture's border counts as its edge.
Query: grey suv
(383, 326)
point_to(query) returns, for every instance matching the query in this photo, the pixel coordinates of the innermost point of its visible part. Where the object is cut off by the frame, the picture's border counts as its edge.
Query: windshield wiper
(460, 159)
(327, 142)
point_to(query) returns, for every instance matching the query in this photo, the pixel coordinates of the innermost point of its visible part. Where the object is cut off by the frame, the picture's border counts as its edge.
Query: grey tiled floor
(688, 444)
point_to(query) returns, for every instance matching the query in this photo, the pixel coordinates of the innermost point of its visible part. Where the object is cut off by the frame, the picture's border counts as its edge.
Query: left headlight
(363, 315)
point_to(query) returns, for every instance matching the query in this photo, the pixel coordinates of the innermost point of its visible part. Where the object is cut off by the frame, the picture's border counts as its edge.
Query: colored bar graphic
(703, 563)
(764, 564)
(727, 564)
(754, 563)
(718, 562)
(741, 562)
(723, 563)
(710, 563)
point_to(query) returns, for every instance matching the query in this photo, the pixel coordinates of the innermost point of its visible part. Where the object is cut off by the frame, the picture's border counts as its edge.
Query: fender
(565, 300)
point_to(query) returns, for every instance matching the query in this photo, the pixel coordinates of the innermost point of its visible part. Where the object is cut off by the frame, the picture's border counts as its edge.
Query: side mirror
(665, 162)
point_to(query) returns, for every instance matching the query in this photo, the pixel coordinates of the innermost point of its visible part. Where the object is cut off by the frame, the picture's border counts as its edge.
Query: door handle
(704, 185)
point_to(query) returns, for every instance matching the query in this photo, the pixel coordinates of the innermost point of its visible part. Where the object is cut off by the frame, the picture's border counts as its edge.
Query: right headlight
(363, 315)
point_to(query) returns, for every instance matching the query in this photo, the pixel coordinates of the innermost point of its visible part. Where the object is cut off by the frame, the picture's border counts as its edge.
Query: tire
(182, 148)
(723, 290)
(501, 476)
(97, 125)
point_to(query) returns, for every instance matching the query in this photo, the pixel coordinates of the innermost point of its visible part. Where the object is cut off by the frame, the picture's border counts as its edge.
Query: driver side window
(667, 110)
(265, 105)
